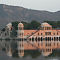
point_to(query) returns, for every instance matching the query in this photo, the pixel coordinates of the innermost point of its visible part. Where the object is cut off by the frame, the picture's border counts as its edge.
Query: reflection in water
(53, 59)
(3, 56)
(10, 49)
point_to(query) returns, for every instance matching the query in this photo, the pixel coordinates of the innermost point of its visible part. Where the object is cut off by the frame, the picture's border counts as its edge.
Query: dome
(20, 25)
(45, 24)
(9, 25)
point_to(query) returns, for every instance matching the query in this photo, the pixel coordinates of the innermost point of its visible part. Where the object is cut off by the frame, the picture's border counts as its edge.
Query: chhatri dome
(45, 24)
(20, 25)
(9, 25)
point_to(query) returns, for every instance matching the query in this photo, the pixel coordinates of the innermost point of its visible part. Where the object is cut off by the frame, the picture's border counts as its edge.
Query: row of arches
(46, 38)
(52, 38)
(36, 39)
(40, 39)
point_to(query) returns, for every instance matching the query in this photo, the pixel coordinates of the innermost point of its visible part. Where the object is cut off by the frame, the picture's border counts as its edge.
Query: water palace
(45, 39)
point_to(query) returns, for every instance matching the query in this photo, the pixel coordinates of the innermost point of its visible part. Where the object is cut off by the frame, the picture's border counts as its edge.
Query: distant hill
(15, 13)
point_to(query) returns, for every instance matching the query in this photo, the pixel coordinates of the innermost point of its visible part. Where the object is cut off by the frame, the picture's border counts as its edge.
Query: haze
(48, 5)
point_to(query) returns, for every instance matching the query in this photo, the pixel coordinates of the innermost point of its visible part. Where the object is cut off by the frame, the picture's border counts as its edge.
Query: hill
(15, 13)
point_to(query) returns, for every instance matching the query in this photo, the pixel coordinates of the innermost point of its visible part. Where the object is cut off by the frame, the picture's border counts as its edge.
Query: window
(38, 38)
(55, 38)
(20, 28)
(32, 38)
(38, 33)
(54, 33)
(57, 33)
(41, 38)
(46, 38)
(52, 38)
(47, 33)
(59, 38)
(41, 33)
(5, 34)
(48, 44)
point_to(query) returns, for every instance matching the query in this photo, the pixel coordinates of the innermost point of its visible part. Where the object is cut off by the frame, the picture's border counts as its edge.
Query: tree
(13, 33)
(15, 25)
(34, 25)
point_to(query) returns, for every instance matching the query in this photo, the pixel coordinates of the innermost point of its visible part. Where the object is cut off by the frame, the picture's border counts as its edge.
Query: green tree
(15, 25)
(13, 33)
(33, 25)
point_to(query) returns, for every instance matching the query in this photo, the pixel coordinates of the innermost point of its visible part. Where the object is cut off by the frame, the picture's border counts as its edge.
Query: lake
(3, 56)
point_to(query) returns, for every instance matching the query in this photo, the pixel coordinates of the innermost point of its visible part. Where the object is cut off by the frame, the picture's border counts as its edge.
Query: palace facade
(46, 39)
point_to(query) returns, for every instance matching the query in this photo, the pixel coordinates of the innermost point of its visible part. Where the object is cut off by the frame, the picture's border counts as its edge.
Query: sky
(48, 5)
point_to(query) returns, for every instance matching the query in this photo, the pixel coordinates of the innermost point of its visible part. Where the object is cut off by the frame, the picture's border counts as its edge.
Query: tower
(20, 30)
(21, 40)
(8, 29)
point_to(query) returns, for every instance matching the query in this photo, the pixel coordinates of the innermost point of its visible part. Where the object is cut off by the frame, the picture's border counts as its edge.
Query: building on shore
(45, 39)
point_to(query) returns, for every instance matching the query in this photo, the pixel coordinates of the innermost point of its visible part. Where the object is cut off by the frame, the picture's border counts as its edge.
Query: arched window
(54, 38)
(50, 38)
(41, 33)
(54, 33)
(38, 33)
(5, 34)
(41, 38)
(59, 38)
(20, 28)
(46, 38)
(32, 38)
(57, 33)
(38, 38)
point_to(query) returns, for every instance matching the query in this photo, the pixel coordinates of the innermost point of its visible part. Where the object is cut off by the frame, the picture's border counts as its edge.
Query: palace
(45, 39)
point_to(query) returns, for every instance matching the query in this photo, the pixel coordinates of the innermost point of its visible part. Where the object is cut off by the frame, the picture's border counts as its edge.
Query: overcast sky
(49, 5)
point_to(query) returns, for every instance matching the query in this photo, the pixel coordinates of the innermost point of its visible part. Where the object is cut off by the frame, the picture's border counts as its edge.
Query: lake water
(31, 55)
(3, 56)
